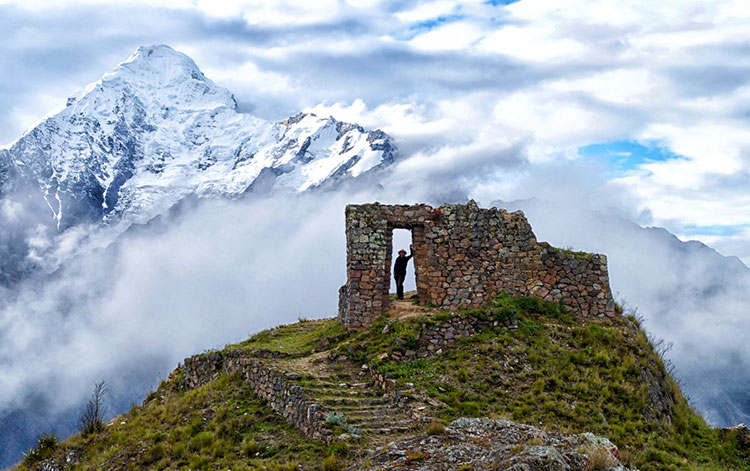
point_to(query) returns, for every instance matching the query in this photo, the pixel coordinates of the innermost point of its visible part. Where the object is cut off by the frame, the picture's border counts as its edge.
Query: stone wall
(436, 334)
(277, 389)
(463, 255)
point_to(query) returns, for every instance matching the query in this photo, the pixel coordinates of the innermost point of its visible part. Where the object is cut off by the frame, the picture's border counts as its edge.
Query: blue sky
(716, 230)
(643, 104)
(628, 155)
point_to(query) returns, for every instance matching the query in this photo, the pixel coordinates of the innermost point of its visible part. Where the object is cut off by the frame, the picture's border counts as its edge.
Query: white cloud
(622, 86)
(532, 43)
(427, 11)
(225, 271)
(455, 36)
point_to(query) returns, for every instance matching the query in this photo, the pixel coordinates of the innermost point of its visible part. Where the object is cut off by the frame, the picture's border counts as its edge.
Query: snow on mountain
(155, 130)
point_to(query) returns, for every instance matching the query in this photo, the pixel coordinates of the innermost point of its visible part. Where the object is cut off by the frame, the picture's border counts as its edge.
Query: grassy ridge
(566, 374)
(221, 425)
(555, 371)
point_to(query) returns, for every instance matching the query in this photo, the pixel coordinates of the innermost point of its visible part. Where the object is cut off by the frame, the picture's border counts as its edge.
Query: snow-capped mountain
(154, 130)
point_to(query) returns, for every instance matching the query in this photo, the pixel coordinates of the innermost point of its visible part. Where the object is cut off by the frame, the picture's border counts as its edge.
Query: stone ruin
(463, 255)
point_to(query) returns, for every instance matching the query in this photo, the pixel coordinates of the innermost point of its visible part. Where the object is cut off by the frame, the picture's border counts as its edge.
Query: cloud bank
(129, 313)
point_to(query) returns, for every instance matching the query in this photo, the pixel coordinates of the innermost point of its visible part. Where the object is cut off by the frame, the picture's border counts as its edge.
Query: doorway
(401, 239)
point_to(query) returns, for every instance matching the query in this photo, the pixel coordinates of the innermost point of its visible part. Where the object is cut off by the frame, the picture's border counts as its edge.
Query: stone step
(350, 401)
(346, 400)
(335, 381)
(370, 423)
(366, 415)
(376, 409)
(387, 430)
(365, 423)
(369, 413)
(346, 384)
(340, 392)
(338, 387)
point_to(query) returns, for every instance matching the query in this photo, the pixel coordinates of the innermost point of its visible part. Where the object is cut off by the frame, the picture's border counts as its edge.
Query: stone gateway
(463, 255)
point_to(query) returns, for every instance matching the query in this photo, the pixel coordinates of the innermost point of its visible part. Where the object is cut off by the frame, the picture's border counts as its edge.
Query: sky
(649, 100)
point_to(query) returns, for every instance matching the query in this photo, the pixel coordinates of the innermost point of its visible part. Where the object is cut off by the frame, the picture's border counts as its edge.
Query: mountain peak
(160, 75)
(160, 60)
(154, 130)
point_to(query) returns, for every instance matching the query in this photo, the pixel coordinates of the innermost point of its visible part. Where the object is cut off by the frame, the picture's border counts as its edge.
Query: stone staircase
(363, 407)
(307, 389)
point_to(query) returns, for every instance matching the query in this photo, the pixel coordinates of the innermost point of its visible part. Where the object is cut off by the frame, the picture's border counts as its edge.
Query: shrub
(599, 459)
(330, 463)
(435, 428)
(92, 418)
(469, 408)
(202, 440)
(627, 457)
(462, 375)
(442, 316)
(250, 447)
(45, 445)
(48, 441)
(338, 449)
(335, 418)
(156, 452)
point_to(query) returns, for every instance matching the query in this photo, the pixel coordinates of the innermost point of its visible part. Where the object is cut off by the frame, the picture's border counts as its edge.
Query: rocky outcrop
(741, 433)
(487, 444)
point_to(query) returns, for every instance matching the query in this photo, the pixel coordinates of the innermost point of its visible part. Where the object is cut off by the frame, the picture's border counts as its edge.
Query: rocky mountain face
(151, 132)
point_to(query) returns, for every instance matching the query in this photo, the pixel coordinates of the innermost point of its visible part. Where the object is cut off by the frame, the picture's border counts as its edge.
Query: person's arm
(411, 252)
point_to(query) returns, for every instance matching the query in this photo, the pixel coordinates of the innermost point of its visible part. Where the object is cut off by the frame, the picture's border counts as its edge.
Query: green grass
(566, 374)
(568, 251)
(221, 425)
(555, 371)
(300, 338)
(46, 445)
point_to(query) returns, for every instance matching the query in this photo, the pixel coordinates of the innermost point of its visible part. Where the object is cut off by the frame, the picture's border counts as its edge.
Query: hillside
(518, 360)
(688, 283)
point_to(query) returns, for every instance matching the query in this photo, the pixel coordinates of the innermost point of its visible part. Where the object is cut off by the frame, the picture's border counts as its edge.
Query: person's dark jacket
(399, 268)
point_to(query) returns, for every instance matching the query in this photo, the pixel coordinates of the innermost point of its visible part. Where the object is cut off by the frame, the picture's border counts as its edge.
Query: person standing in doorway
(399, 270)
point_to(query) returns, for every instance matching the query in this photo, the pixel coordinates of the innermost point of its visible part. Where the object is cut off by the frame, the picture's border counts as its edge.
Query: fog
(212, 274)
(128, 314)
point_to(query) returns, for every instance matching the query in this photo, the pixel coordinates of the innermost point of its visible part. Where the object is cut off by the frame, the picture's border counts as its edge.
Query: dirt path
(314, 364)
(402, 308)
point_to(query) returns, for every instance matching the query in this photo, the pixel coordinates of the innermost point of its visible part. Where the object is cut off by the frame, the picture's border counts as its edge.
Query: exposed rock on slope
(486, 444)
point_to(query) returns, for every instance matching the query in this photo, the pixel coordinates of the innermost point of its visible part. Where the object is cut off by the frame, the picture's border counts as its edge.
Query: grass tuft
(435, 428)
